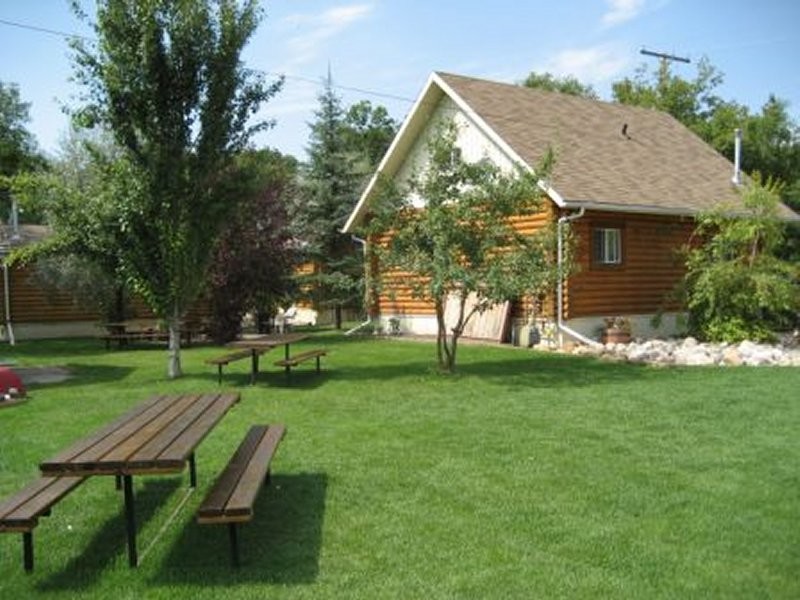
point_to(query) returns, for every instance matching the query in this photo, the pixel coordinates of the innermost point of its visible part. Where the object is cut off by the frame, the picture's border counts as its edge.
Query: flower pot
(614, 335)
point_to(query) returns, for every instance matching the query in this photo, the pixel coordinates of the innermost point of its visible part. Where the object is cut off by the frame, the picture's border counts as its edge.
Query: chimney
(14, 219)
(737, 158)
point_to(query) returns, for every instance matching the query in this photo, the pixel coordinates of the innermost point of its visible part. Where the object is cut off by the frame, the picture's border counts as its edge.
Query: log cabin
(627, 181)
(32, 312)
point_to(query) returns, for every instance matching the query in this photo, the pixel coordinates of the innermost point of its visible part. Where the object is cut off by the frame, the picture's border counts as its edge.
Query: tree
(165, 78)
(692, 102)
(771, 138)
(736, 287)
(566, 85)
(462, 243)
(81, 257)
(253, 259)
(345, 148)
(18, 152)
(368, 132)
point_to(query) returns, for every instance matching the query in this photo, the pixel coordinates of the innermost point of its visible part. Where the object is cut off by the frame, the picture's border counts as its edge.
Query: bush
(736, 286)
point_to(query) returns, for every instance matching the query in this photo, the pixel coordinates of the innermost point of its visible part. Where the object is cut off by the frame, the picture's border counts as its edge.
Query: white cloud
(620, 11)
(317, 28)
(594, 64)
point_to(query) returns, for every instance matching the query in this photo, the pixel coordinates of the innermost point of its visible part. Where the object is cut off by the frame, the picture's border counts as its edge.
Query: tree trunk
(174, 360)
(337, 316)
(445, 352)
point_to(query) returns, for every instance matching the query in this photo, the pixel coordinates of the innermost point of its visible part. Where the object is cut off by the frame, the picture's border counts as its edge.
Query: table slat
(149, 455)
(184, 444)
(119, 455)
(55, 464)
(94, 457)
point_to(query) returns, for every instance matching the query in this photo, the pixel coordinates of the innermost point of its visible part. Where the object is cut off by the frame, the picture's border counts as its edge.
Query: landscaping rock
(691, 352)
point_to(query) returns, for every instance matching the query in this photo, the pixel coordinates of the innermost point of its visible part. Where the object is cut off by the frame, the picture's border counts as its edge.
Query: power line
(317, 82)
(62, 34)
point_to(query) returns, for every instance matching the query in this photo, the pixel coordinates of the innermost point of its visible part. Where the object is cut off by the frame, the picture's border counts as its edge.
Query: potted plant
(617, 330)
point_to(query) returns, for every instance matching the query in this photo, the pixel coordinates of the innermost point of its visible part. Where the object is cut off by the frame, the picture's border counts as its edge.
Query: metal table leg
(130, 520)
(192, 471)
(254, 369)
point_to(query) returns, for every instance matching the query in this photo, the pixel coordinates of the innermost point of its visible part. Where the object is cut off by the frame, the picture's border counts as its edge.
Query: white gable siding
(474, 144)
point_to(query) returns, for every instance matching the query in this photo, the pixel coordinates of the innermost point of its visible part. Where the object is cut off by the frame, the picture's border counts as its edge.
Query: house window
(607, 246)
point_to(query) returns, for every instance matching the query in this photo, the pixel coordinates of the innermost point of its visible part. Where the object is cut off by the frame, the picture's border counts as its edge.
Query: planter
(615, 335)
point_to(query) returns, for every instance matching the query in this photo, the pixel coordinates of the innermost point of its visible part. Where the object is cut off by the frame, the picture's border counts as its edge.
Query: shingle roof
(656, 165)
(659, 163)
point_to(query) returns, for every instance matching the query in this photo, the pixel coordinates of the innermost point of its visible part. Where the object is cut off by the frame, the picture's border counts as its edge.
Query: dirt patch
(31, 375)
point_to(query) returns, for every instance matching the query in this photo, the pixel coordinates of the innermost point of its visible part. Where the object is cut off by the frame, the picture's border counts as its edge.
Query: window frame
(600, 251)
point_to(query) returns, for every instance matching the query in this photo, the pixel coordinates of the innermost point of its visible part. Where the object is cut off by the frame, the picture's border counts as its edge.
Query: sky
(384, 50)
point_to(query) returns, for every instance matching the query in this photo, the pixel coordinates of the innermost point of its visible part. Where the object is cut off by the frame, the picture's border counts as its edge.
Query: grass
(525, 475)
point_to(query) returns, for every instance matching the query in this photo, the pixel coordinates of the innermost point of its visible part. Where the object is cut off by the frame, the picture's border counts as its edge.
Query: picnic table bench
(293, 361)
(157, 437)
(20, 513)
(230, 500)
(225, 359)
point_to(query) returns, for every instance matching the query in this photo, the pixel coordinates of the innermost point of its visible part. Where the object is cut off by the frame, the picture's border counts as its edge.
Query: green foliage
(462, 242)
(18, 152)
(253, 259)
(736, 286)
(771, 139)
(345, 148)
(692, 102)
(566, 85)
(165, 78)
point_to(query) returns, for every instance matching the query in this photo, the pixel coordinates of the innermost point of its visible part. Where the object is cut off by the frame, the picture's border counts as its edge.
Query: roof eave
(427, 99)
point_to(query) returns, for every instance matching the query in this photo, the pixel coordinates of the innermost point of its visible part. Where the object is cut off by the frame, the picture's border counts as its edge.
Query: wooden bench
(295, 360)
(232, 496)
(21, 512)
(225, 359)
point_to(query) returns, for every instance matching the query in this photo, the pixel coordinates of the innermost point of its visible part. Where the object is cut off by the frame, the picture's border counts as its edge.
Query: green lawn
(526, 475)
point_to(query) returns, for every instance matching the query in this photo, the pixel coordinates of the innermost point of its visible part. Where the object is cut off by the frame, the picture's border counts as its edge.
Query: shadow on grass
(110, 540)
(517, 369)
(281, 545)
(300, 378)
(81, 374)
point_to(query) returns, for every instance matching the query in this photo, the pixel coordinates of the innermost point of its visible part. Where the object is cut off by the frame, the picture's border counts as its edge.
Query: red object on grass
(10, 381)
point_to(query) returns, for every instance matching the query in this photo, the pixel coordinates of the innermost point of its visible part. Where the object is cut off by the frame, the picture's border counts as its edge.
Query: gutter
(562, 328)
(7, 304)
(360, 326)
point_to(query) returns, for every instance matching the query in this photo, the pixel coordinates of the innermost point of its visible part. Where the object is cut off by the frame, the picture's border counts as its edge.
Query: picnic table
(155, 438)
(263, 343)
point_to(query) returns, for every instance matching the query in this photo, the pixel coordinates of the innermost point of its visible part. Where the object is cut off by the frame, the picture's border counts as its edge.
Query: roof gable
(608, 156)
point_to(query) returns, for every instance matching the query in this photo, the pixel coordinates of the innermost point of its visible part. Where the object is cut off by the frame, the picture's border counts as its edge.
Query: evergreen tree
(345, 146)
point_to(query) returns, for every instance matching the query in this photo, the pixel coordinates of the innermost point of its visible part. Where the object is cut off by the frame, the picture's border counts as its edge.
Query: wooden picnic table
(267, 342)
(155, 438)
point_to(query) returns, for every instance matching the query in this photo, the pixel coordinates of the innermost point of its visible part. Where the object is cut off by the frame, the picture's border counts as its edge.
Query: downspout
(562, 328)
(7, 303)
(363, 243)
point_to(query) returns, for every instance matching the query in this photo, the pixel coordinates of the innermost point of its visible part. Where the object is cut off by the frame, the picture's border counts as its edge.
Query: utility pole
(664, 57)
(663, 69)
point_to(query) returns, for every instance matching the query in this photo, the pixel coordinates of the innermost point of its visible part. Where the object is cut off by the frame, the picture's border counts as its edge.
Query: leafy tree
(462, 242)
(771, 138)
(345, 147)
(81, 257)
(692, 102)
(368, 133)
(736, 287)
(566, 85)
(165, 78)
(253, 259)
(18, 151)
